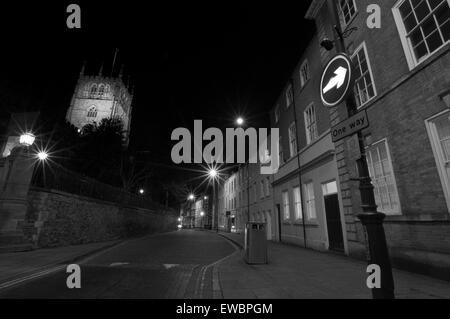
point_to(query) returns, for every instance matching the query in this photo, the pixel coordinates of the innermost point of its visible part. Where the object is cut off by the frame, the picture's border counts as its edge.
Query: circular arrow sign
(336, 80)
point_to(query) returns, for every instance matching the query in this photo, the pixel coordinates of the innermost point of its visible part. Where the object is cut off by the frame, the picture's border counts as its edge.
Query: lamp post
(213, 175)
(240, 122)
(377, 250)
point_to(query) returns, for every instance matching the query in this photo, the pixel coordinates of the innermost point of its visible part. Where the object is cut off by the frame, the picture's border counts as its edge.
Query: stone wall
(65, 219)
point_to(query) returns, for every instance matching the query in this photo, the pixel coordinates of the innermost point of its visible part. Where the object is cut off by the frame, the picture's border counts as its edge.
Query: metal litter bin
(255, 243)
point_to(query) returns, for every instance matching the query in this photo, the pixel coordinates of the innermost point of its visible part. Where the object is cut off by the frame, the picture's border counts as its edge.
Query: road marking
(168, 266)
(31, 277)
(118, 264)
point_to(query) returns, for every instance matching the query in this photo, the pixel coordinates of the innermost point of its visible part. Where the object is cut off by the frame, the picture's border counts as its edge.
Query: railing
(61, 179)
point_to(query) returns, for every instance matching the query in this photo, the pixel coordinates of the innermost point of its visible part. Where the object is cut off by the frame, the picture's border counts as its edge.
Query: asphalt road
(171, 265)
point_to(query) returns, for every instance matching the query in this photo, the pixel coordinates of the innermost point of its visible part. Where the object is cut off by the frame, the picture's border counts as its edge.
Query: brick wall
(65, 219)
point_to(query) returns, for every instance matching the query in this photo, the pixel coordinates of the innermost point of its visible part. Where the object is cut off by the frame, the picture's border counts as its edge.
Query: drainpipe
(298, 163)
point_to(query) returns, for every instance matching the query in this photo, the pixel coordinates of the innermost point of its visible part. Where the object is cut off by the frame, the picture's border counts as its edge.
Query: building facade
(99, 97)
(403, 82)
(307, 201)
(246, 195)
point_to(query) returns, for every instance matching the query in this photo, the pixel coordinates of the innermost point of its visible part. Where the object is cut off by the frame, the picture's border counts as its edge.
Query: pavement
(190, 264)
(298, 273)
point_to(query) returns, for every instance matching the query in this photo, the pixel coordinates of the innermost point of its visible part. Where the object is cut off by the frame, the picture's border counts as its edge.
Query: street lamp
(240, 121)
(42, 155)
(141, 191)
(27, 139)
(191, 197)
(212, 173)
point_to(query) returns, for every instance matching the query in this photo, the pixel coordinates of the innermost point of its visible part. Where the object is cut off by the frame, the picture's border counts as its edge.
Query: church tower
(97, 97)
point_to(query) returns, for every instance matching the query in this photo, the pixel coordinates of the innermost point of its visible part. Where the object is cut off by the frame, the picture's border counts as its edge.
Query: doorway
(333, 216)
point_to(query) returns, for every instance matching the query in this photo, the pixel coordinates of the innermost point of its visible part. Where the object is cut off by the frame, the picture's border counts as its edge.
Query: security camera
(327, 44)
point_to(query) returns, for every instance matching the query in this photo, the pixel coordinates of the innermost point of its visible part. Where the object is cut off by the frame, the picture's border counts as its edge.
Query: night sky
(204, 60)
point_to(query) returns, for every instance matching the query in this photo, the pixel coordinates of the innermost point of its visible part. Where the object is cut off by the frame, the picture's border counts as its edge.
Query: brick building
(403, 82)
(307, 200)
(240, 194)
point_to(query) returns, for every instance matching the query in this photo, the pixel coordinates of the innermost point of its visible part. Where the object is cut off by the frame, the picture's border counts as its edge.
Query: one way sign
(336, 80)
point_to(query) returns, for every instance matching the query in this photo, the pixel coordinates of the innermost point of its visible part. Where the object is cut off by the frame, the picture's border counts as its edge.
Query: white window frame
(303, 81)
(440, 161)
(344, 24)
(285, 205)
(298, 203)
(293, 146)
(363, 47)
(407, 48)
(289, 96)
(388, 212)
(311, 211)
(309, 138)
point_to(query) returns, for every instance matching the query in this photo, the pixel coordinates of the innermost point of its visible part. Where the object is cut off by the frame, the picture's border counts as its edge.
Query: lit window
(92, 112)
(310, 124)
(286, 213)
(383, 180)
(364, 84)
(298, 203)
(293, 140)
(347, 10)
(310, 201)
(289, 96)
(304, 73)
(424, 27)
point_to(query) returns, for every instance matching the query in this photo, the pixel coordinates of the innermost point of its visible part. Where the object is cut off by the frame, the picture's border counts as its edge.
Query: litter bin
(255, 243)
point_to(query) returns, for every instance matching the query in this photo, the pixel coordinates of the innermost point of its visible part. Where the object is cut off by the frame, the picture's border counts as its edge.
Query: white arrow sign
(336, 81)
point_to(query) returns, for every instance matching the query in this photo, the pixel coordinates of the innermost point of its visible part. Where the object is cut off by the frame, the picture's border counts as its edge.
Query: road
(171, 265)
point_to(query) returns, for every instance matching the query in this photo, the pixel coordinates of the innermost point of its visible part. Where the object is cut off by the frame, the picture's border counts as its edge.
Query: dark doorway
(334, 225)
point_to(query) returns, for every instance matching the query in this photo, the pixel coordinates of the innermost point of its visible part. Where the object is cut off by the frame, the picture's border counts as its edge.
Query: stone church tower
(97, 97)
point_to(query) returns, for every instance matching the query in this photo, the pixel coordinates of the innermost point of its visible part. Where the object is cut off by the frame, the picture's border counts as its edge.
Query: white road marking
(118, 264)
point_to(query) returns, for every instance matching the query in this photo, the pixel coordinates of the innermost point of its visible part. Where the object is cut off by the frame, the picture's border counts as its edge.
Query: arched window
(92, 111)
(93, 91)
(101, 90)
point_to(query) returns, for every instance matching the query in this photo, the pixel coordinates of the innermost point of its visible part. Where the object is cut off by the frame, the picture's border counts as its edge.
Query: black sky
(188, 60)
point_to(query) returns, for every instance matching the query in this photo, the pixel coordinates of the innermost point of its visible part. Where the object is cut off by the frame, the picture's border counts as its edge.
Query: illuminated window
(310, 124)
(298, 203)
(364, 84)
(424, 27)
(310, 201)
(286, 213)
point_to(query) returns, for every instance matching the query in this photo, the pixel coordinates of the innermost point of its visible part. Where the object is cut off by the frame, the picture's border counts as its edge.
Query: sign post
(334, 90)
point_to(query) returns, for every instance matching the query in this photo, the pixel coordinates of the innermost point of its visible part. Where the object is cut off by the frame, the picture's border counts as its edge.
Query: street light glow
(42, 155)
(141, 191)
(212, 173)
(179, 219)
(27, 139)
(191, 197)
(202, 214)
(240, 121)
